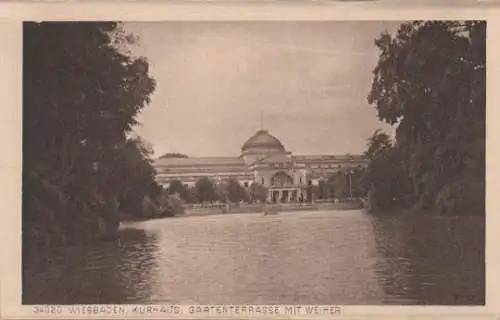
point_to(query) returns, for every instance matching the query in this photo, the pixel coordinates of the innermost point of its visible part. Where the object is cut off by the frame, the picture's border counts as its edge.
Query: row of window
(246, 184)
(312, 166)
(186, 186)
(325, 166)
(276, 165)
(200, 170)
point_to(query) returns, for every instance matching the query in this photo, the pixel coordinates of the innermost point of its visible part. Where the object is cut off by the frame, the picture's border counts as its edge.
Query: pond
(317, 257)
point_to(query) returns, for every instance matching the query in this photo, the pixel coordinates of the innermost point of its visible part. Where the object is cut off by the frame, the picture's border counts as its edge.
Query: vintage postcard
(260, 162)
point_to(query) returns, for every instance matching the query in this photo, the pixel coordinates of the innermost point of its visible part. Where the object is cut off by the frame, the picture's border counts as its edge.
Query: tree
(173, 155)
(176, 187)
(170, 205)
(235, 191)
(221, 191)
(383, 176)
(386, 179)
(357, 181)
(322, 192)
(258, 192)
(378, 144)
(205, 190)
(337, 185)
(430, 82)
(81, 95)
(135, 178)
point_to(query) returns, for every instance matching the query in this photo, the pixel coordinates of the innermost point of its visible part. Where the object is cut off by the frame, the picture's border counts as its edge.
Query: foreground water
(338, 257)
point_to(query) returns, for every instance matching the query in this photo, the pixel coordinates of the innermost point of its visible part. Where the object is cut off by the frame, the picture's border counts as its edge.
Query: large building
(264, 160)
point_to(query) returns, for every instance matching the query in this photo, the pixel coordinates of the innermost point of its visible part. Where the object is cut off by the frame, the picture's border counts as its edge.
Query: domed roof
(262, 139)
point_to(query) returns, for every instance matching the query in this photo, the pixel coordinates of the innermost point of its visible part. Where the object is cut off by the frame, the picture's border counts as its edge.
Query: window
(281, 179)
(246, 184)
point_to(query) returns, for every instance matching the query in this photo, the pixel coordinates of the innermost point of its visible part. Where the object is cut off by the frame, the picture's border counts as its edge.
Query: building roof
(341, 158)
(200, 161)
(237, 162)
(262, 139)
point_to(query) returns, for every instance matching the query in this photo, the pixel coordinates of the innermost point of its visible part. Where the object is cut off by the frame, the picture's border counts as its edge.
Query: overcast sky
(310, 80)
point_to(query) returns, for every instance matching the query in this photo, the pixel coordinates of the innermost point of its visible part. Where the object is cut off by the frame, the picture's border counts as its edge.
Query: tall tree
(81, 95)
(430, 82)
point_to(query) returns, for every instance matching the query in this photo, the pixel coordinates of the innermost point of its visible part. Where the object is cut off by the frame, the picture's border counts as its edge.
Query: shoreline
(259, 208)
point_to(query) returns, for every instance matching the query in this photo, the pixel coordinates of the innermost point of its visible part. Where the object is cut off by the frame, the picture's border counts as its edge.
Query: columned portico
(283, 195)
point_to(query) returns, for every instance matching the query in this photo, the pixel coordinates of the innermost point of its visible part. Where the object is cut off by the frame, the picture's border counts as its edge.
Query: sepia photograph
(254, 162)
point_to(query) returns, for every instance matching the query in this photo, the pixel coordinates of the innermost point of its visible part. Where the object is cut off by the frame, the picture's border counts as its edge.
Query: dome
(262, 139)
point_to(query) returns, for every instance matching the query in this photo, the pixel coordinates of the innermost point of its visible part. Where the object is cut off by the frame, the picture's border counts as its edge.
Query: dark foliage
(430, 82)
(235, 191)
(176, 187)
(81, 96)
(206, 190)
(173, 155)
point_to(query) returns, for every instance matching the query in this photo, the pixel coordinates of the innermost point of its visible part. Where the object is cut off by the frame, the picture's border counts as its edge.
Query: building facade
(263, 159)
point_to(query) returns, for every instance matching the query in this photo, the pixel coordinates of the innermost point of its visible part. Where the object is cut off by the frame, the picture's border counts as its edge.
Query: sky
(216, 81)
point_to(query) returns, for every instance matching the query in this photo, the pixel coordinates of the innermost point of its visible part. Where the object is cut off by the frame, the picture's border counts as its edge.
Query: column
(280, 195)
(289, 195)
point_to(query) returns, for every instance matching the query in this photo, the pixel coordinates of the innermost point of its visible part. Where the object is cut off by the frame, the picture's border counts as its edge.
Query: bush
(462, 197)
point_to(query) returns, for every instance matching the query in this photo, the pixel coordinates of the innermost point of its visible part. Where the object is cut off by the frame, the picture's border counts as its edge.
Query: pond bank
(191, 210)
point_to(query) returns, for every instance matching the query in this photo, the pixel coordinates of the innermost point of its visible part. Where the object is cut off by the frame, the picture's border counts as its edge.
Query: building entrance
(275, 196)
(284, 196)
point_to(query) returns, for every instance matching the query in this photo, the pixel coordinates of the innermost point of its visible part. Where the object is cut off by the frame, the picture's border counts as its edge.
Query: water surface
(336, 257)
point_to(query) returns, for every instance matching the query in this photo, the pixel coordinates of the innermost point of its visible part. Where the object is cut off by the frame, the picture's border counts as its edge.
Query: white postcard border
(11, 15)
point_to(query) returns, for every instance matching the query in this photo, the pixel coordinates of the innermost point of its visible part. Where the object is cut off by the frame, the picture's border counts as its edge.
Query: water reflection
(424, 259)
(338, 257)
(104, 273)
